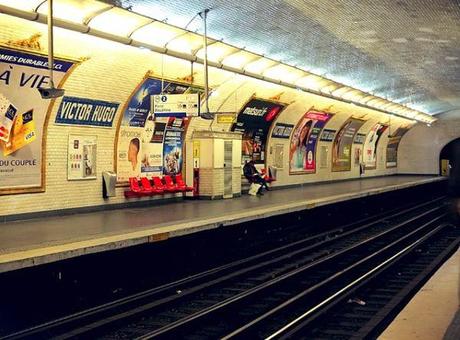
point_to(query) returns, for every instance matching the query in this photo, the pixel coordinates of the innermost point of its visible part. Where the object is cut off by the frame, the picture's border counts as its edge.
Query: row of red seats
(158, 187)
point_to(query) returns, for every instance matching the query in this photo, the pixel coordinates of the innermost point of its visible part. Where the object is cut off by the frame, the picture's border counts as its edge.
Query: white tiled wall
(420, 147)
(111, 71)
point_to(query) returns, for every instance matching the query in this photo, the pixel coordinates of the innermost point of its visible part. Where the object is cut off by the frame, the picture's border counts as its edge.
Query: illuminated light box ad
(302, 151)
(22, 116)
(149, 145)
(341, 148)
(370, 145)
(254, 121)
(393, 144)
(82, 157)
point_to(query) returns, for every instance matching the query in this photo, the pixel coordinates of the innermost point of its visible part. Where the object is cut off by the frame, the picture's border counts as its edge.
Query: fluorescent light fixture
(311, 82)
(238, 60)
(283, 73)
(258, 66)
(24, 5)
(94, 16)
(73, 11)
(185, 43)
(110, 22)
(341, 91)
(355, 96)
(157, 34)
(217, 52)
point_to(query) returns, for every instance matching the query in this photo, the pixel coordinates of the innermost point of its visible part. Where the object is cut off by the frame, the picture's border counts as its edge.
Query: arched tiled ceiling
(405, 50)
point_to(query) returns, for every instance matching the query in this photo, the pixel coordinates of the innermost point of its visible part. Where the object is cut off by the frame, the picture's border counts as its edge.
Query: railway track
(257, 295)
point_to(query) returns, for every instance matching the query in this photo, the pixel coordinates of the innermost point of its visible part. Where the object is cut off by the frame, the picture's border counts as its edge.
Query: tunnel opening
(449, 165)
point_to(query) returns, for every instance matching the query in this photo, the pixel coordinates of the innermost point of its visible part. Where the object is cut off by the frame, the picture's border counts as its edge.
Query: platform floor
(430, 312)
(43, 240)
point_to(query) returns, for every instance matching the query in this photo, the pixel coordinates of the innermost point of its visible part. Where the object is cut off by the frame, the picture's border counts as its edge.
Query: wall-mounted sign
(23, 116)
(226, 118)
(302, 155)
(393, 144)
(254, 120)
(370, 146)
(327, 135)
(359, 138)
(341, 148)
(176, 105)
(282, 130)
(82, 156)
(196, 154)
(83, 111)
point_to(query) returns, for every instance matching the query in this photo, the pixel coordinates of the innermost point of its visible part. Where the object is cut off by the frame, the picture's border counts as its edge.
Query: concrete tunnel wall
(420, 148)
(111, 71)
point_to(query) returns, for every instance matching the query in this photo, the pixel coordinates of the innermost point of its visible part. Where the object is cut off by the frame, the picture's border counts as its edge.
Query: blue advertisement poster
(138, 108)
(172, 146)
(144, 140)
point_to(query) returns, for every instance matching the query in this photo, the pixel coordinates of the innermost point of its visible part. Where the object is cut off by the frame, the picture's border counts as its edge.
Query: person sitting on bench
(253, 176)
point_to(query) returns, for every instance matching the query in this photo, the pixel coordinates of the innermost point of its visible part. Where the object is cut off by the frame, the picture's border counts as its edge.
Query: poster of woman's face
(298, 148)
(302, 157)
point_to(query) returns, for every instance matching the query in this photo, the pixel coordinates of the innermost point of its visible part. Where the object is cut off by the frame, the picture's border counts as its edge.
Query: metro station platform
(434, 312)
(43, 240)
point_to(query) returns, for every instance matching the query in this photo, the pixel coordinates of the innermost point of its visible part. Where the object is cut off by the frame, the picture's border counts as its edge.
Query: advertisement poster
(341, 148)
(393, 144)
(172, 146)
(81, 162)
(141, 136)
(254, 121)
(129, 152)
(370, 145)
(302, 155)
(22, 116)
(83, 111)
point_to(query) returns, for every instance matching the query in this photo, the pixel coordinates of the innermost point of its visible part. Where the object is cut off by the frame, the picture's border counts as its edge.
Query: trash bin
(109, 182)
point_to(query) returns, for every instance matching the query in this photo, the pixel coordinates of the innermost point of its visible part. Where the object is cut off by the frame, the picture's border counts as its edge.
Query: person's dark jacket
(249, 170)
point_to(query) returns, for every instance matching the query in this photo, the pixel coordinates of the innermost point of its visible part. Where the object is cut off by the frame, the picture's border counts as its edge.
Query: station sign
(327, 135)
(226, 118)
(359, 138)
(84, 111)
(176, 105)
(282, 130)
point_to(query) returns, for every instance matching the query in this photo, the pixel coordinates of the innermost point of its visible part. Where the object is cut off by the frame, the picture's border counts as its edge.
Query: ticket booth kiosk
(216, 164)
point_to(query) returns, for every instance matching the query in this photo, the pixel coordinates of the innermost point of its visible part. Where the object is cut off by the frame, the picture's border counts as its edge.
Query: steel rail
(250, 292)
(243, 330)
(297, 324)
(174, 286)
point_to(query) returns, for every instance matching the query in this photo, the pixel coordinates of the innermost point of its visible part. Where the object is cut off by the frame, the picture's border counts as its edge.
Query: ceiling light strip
(84, 28)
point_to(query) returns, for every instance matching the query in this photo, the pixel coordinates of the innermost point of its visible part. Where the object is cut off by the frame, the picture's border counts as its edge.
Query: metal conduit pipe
(41, 18)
